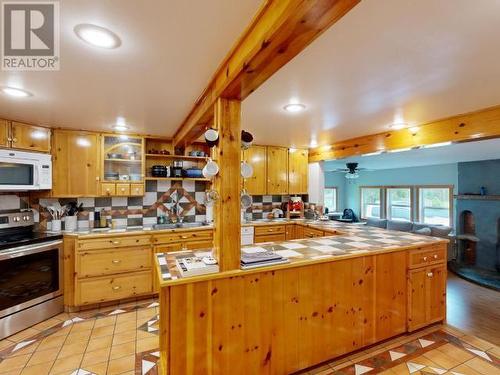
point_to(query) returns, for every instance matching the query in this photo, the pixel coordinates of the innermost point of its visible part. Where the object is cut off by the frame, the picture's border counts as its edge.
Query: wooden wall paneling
(227, 218)
(390, 294)
(473, 126)
(282, 321)
(279, 31)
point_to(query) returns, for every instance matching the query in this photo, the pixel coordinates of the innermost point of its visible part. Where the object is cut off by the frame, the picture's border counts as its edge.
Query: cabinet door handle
(184, 237)
(115, 242)
(435, 256)
(270, 230)
(116, 261)
(425, 259)
(122, 189)
(430, 274)
(14, 140)
(117, 287)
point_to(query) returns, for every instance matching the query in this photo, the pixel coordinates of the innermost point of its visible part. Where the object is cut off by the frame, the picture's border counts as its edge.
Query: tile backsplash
(158, 200)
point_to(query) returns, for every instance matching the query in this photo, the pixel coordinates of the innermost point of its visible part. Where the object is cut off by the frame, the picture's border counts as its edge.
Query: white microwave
(21, 171)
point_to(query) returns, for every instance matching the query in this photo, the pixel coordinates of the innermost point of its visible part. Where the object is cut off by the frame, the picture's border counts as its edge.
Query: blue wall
(349, 194)
(471, 176)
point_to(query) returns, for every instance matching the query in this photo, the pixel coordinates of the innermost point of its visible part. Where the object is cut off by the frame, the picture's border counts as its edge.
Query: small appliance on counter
(295, 208)
(31, 270)
(177, 168)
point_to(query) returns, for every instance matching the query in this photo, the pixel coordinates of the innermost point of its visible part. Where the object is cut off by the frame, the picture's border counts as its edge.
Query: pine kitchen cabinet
(426, 287)
(4, 133)
(123, 161)
(24, 136)
(277, 170)
(76, 163)
(256, 156)
(297, 171)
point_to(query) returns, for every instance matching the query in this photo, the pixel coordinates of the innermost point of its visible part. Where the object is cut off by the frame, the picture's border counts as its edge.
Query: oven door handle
(28, 249)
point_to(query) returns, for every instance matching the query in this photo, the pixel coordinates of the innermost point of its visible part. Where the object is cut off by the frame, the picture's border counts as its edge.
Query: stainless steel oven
(31, 285)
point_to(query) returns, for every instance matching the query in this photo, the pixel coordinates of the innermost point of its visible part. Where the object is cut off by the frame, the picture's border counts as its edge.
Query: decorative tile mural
(159, 200)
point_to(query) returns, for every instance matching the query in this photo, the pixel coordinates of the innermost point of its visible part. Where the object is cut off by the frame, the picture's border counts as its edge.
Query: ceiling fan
(351, 172)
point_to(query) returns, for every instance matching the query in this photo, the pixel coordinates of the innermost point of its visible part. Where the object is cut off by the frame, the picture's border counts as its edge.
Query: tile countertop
(87, 233)
(96, 233)
(352, 240)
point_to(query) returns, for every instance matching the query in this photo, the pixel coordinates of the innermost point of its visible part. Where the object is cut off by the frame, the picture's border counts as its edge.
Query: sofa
(434, 230)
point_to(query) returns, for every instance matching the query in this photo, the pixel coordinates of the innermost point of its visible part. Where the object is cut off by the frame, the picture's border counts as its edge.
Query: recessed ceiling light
(373, 153)
(400, 150)
(440, 144)
(294, 107)
(398, 125)
(17, 93)
(97, 36)
(120, 128)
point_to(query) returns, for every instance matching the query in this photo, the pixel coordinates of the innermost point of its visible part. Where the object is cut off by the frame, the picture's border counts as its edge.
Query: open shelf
(178, 157)
(176, 179)
(124, 160)
(478, 197)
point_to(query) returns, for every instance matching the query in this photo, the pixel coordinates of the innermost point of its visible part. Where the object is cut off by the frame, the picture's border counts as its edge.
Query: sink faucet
(176, 207)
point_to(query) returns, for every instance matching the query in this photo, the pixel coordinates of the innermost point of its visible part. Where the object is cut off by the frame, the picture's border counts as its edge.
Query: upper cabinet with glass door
(123, 164)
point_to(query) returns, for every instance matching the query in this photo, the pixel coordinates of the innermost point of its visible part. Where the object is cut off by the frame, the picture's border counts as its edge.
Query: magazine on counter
(189, 265)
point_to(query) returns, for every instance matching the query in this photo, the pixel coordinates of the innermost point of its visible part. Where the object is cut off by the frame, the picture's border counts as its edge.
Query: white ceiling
(170, 50)
(386, 60)
(471, 151)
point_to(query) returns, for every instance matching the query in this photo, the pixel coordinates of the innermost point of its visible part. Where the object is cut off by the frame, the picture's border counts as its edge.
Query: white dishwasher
(247, 235)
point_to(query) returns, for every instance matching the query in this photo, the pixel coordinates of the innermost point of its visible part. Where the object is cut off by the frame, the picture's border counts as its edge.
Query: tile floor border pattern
(72, 318)
(404, 352)
(403, 356)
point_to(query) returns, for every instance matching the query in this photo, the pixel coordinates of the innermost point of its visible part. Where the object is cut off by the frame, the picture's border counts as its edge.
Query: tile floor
(124, 340)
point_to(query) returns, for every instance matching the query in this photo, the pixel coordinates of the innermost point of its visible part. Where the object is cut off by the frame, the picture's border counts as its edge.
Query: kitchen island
(336, 295)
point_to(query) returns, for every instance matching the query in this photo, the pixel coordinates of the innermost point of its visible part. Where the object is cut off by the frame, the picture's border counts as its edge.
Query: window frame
(336, 198)
(412, 201)
(450, 198)
(381, 197)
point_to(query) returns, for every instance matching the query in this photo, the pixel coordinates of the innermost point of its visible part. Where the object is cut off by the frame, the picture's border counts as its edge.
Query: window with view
(370, 202)
(330, 199)
(434, 205)
(399, 204)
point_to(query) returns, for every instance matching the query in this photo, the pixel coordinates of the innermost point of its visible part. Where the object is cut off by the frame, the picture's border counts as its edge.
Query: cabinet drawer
(311, 233)
(107, 243)
(98, 263)
(123, 189)
(108, 189)
(425, 257)
(203, 235)
(270, 237)
(103, 289)
(137, 189)
(271, 229)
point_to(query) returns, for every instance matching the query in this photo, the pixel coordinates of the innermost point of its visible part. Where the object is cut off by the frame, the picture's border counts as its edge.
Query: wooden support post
(227, 216)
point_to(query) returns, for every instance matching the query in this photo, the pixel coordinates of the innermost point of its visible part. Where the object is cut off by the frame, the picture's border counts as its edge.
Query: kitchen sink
(179, 225)
(268, 220)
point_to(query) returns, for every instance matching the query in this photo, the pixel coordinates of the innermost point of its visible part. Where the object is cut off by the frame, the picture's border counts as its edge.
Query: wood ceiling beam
(473, 126)
(280, 31)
